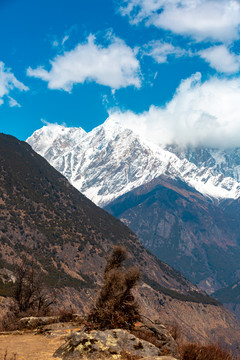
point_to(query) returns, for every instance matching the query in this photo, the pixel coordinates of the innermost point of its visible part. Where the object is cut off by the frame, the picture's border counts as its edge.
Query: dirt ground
(33, 346)
(29, 347)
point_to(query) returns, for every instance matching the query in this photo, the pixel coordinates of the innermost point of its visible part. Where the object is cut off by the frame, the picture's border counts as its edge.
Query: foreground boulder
(158, 335)
(32, 322)
(108, 344)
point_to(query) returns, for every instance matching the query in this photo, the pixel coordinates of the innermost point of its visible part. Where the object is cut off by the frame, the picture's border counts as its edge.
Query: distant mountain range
(111, 160)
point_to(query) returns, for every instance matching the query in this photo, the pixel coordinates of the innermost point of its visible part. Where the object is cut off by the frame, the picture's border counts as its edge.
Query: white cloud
(220, 58)
(66, 37)
(160, 51)
(201, 19)
(200, 113)
(12, 102)
(115, 66)
(8, 83)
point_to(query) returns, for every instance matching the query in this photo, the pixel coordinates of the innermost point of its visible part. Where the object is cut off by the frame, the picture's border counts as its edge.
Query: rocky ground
(68, 340)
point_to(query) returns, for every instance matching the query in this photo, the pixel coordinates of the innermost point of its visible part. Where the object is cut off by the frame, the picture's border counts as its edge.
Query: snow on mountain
(226, 162)
(111, 160)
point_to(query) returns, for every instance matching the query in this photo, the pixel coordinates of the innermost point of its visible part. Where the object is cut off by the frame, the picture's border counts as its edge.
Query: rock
(108, 344)
(33, 322)
(158, 335)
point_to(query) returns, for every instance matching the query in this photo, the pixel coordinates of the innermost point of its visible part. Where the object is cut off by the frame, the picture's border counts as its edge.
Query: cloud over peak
(200, 113)
(115, 66)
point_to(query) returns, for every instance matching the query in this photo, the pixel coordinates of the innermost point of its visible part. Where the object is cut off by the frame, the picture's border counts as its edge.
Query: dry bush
(30, 297)
(8, 322)
(204, 352)
(66, 315)
(29, 293)
(115, 306)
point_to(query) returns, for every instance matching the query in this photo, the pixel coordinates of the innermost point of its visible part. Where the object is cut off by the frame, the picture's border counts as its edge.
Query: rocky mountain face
(111, 160)
(45, 218)
(225, 162)
(185, 229)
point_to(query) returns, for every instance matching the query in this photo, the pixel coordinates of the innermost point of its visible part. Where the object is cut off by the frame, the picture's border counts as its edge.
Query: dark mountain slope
(42, 214)
(185, 229)
(44, 217)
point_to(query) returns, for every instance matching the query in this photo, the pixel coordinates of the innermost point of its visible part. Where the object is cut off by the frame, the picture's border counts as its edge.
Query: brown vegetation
(115, 306)
(29, 292)
(29, 296)
(66, 314)
(205, 352)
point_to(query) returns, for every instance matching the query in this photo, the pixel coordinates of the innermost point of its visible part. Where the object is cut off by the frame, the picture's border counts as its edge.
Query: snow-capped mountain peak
(54, 138)
(111, 160)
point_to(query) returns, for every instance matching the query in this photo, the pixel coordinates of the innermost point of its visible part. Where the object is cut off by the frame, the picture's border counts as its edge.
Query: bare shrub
(115, 306)
(29, 294)
(204, 352)
(8, 322)
(66, 315)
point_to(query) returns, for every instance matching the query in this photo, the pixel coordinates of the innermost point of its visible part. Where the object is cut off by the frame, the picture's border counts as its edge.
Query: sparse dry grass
(205, 352)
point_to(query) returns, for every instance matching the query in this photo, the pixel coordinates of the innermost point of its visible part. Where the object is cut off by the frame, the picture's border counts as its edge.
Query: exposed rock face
(220, 161)
(108, 344)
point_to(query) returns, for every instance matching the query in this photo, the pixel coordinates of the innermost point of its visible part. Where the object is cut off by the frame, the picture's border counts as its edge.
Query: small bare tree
(115, 306)
(29, 292)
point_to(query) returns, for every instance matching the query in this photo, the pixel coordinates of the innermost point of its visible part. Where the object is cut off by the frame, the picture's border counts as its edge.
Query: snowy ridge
(111, 160)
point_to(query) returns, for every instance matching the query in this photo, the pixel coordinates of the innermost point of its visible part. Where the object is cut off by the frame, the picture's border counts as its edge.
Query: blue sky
(166, 68)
